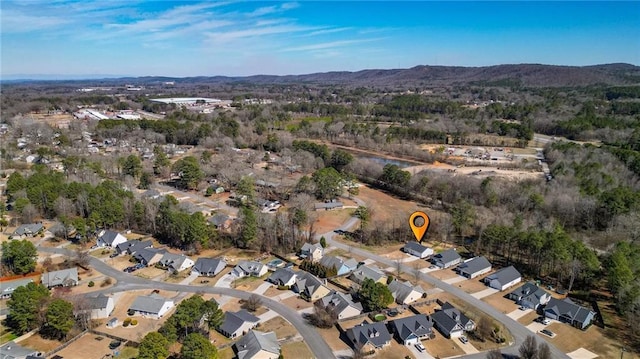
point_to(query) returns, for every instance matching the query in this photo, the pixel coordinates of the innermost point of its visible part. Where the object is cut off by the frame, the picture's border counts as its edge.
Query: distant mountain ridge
(527, 75)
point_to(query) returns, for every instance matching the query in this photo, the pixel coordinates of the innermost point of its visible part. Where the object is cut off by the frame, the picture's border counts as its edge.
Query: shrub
(134, 322)
(283, 287)
(126, 322)
(91, 284)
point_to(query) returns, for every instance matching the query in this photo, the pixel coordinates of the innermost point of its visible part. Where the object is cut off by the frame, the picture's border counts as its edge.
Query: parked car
(522, 307)
(420, 347)
(113, 255)
(464, 340)
(548, 333)
(543, 320)
(139, 266)
(114, 344)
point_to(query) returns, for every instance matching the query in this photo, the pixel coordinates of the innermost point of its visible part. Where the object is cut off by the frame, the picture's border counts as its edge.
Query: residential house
(446, 258)
(311, 251)
(328, 206)
(249, 268)
(208, 267)
(284, 277)
(451, 322)
(64, 278)
(417, 249)
(7, 287)
(237, 323)
(341, 265)
(28, 230)
(175, 262)
(149, 256)
(310, 287)
(133, 246)
(474, 267)
(153, 306)
(107, 238)
(220, 221)
(341, 304)
(503, 279)
(371, 272)
(411, 330)
(100, 306)
(405, 292)
(369, 336)
(257, 345)
(567, 311)
(12, 350)
(530, 296)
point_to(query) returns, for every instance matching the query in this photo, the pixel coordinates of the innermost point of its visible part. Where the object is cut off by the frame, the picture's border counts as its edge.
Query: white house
(152, 306)
(100, 306)
(235, 324)
(176, 262)
(107, 238)
(474, 267)
(341, 304)
(208, 267)
(418, 250)
(503, 279)
(249, 268)
(405, 292)
(311, 251)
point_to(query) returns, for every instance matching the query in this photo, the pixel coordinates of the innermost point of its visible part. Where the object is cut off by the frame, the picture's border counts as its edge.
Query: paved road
(518, 331)
(128, 282)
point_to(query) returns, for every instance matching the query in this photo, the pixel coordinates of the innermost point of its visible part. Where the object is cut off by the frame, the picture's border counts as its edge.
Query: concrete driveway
(517, 314)
(456, 279)
(484, 293)
(419, 354)
(467, 348)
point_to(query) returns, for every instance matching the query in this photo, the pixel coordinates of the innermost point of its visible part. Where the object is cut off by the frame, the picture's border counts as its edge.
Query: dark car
(114, 344)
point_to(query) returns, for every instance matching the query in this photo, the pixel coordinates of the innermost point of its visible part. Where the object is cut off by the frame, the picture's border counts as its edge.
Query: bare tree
(82, 258)
(529, 348)
(544, 352)
(252, 303)
(494, 354)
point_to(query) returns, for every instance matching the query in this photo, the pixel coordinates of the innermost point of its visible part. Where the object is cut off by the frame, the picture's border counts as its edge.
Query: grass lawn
(7, 337)
(226, 353)
(128, 353)
(394, 351)
(442, 347)
(333, 339)
(248, 284)
(296, 350)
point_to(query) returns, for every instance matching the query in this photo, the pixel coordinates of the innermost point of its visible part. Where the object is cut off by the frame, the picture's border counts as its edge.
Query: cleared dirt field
(89, 346)
(36, 342)
(330, 220)
(569, 339)
(502, 304)
(385, 207)
(296, 350)
(282, 328)
(442, 347)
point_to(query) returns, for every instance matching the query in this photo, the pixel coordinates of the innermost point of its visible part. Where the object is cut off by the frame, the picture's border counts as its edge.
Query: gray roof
(328, 205)
(419, 325)
(567, 308)
(446, 256)
(250, 267)
(209, 265)
(173, 260)
(365, 271)
(254, 342)
(374, 333)
(281, 276)
(415, 246)
(310, 248)
(332, 262)
(529, 292)
(234, 320)
(60, 277)
(504, 275)
(401, 290)
(307, 282)
(108, 236)
(454, 313)
(146, 254)
(97, 302)
(473, 265)
(339, 301)
(148, 303)
(28, 229)
(7, 287)
(11, 350)
(444, 322)
(133, 246)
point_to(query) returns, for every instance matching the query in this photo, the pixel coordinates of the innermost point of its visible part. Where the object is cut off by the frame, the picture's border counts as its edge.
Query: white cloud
(329, 45)
(14, 21)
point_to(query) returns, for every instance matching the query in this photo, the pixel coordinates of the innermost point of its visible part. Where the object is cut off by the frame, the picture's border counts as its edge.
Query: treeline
(414, 107)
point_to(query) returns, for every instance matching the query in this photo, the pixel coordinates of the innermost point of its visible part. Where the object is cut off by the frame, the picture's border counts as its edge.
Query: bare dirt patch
(443, 274)
(333, 339)
(385, 207)
(282, 328)
(502, 304)
(442, 347)
(330, 220)
(473, 285)
(89, 346)
(36, 342)
(248, 284)
(296, 350)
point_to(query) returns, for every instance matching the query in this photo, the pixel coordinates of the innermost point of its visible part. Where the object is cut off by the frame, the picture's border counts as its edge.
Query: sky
(94, 38)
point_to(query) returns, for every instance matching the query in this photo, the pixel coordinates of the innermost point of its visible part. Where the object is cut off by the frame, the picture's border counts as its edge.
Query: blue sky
(190, 38)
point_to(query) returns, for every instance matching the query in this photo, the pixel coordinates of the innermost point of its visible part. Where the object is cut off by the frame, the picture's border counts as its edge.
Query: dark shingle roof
(209, 265)
(254, 342)
(505, 275)
(281, 275)
(419, 325)
(415, 246)
(374, 333)
(568, 308)
(108, 237)
(98, 302)
(474, 265)
(529, 292)
(446, 256)
(234, 320)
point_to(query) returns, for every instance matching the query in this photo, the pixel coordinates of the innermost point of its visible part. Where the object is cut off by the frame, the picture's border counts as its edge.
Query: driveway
(419, 354)
(262, 288)
(456, 279)
(467, 348)
(484, 293)
(517, 314)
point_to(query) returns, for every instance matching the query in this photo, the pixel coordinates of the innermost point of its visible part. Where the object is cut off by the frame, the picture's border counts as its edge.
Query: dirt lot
(329, 220)
(282, 328)
(385, 207)
(296, 350)
(36, 342)
(89, 346)
(443, 274)
(442, 347)
(473, 285)
(569, 339)
(498, 301)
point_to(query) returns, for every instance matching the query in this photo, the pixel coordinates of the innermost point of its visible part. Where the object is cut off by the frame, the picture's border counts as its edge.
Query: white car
(420, 347)
(464, 340)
